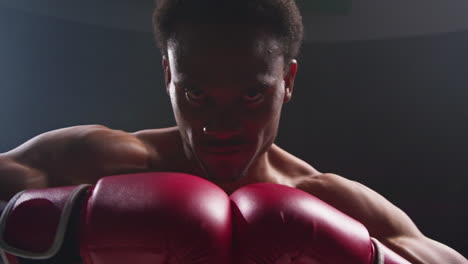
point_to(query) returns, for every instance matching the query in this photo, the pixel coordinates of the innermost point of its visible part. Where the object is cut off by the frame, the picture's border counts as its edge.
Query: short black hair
(281, 17)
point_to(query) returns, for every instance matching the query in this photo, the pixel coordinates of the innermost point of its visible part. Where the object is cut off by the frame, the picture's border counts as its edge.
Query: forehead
(233, 37)
(224, 51)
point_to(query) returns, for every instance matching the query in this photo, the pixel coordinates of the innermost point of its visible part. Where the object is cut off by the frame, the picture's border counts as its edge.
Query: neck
(260, 171)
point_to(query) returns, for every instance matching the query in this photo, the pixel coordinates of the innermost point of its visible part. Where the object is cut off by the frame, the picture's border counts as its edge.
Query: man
(229, 68)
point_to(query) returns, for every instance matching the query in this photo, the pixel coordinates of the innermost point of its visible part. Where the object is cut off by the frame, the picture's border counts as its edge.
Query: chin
(225, 165)
(219, 168)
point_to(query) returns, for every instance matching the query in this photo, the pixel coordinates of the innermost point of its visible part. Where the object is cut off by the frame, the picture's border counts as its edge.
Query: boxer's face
(227, 85)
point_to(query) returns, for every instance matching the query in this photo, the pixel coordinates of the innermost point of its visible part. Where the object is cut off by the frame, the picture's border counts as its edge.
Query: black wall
(388, 113)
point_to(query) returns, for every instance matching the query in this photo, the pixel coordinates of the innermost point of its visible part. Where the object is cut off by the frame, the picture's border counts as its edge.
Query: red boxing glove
(162, 218)
(170, 217)
(146, 218)
(35, 223)
(279, 224)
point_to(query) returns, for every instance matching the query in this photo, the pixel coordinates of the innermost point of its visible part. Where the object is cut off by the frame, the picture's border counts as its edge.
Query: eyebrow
(267, 79)
(270, 82)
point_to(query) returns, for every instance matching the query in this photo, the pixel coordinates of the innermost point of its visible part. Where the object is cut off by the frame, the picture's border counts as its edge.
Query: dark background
(389, 113)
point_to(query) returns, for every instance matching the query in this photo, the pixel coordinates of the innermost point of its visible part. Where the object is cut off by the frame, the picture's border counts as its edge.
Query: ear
(167, 73)
(289, 81)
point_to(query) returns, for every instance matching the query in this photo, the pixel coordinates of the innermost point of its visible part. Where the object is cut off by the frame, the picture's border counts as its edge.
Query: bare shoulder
(385, 221)
(293, 168)
(54, 139)
(160, 139)
(81, 154)
(92, 139)
(382, 218)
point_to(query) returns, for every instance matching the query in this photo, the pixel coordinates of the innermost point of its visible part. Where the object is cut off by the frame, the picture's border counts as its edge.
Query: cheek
(187, 119)
(181, 111)
(264, 121)
(174, 99)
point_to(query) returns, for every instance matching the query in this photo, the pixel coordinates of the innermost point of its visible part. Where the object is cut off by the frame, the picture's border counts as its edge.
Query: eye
(253, 95)
(195, 94)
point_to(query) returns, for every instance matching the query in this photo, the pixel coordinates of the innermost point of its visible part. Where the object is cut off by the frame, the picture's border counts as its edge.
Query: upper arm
(384, 221)
(80, 154)
(15, 177)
